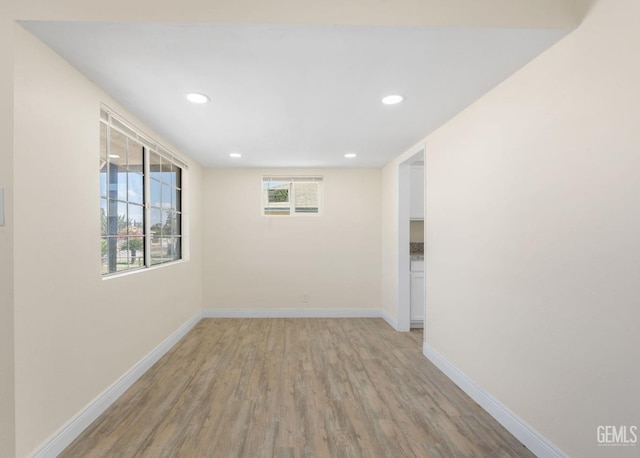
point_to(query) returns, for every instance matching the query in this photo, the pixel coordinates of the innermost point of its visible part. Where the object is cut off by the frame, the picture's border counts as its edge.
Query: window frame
(292, 181)
(175, 184)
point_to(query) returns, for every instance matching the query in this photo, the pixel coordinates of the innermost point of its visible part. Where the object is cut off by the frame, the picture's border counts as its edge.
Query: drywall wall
(255, 261)
(389, 234)
(533, 216)
(7, 431)
(76, 333)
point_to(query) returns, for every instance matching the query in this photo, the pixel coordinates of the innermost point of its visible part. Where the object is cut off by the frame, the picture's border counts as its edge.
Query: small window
(141, 199)
(289, 196)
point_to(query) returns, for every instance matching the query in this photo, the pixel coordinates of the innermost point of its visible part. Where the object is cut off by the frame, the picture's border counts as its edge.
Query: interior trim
(390, 319)
(74, 427)
(292, 313)
(533, 440)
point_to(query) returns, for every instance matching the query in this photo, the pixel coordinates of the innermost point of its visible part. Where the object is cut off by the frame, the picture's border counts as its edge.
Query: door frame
(404, 258)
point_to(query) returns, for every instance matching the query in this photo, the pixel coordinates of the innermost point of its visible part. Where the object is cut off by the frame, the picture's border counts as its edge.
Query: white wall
(252, 261)
(76, 333)
(7, 430)
(533, 223)
(389, 233)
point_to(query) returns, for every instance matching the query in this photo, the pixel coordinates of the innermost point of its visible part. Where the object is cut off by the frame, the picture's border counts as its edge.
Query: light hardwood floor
(295, 388)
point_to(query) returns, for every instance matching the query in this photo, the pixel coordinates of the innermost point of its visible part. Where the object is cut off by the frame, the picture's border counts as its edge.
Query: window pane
(166, 171)
(306, 195)
(134, 156)
(177, 177)
(116, 180)
(155, 225)
(167, 223)
(177, 199)
(120, 161)
(167, 196)
(168, 248)
(156, 253)
(154, 166)
(159, 250)
(123, 219)
(104, 250)
(279, 195)
(123, 190)
(136, 249)
(156, 196)
(136, 219)
(177, 248)
(122, 184)
(284, 196)
(117, 158)
(177, 224)
(104, 177)
(123, 127)
(123, 253)
(130, 253)
(276, 198)
(110, 262)
(135, 188)
(117, 148)
(171, 224)
(104, 225)
(112, 217)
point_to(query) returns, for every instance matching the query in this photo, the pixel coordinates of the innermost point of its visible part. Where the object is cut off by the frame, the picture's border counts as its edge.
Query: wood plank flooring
(295, 388)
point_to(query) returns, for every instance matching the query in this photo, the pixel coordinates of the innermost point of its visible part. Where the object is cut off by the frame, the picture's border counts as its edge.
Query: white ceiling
(293, 95)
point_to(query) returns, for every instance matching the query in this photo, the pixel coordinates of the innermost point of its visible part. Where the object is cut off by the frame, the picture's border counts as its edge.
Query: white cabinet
(416, 203)
(417, 296)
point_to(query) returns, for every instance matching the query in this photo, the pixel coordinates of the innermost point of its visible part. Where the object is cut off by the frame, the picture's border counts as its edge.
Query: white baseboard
(292, 313)
(533, 440)
(72, 429)
(391, 320)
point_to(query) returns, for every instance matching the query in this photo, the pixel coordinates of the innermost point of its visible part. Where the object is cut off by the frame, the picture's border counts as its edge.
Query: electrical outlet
(305, 298)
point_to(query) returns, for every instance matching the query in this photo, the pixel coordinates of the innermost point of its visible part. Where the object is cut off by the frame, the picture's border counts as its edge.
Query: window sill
(145, 269)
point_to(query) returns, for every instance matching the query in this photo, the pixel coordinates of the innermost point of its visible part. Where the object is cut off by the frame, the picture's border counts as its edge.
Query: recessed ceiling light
(350, 155)
(196, 97)
(392, 99)
(235, 155)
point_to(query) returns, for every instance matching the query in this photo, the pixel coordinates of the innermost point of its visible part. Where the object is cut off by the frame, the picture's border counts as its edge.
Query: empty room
(319, 229)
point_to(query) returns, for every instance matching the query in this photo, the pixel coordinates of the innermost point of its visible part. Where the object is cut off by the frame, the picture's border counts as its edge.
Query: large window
(289, 196)
(140, 198)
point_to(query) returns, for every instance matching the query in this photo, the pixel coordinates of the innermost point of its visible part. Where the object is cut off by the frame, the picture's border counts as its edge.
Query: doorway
(411, 208)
